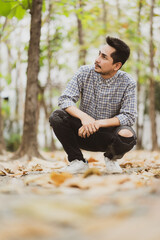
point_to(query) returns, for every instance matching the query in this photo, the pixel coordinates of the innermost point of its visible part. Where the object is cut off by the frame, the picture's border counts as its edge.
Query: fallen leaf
(156, 173)
(2, 171)
(92, 171)
(9, 171)
(90, 160)
(126, 165)
(59, 178)
(37, 168)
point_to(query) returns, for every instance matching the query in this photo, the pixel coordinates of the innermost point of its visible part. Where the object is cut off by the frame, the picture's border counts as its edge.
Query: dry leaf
(126, 165)
(92, 171)
(9, 171)
(37, 168)
(59, 178)
(3, 171)
(76, 182)
(91, 159)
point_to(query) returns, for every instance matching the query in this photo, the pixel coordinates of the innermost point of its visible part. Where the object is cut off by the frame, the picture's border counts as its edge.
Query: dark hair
(122, 52)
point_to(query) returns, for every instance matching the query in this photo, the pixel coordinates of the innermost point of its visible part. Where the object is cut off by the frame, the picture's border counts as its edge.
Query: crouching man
(107, 110)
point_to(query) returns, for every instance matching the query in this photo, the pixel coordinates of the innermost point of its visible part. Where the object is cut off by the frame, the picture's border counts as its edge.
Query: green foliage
(17, 11)
(12, 9)
(55, 44)
(5, 8)
(13, 142)
(5, 109)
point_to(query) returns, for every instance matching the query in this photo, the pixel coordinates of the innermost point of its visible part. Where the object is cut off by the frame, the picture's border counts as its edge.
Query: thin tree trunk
(118, 9)
(82, 51)
(49, 56)
(2, 145)
(1, 126)
(48, 109)
(139, 129)
(104, 18)
(152, 111)
(29, 145)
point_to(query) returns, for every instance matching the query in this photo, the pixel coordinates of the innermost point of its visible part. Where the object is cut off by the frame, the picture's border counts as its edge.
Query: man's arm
(128, 111)
(89, 124)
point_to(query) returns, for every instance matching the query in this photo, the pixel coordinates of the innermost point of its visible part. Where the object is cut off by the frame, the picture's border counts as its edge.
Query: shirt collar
(109, 80)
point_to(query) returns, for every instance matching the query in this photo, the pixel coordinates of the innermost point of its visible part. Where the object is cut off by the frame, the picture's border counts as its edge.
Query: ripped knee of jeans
(126, 134)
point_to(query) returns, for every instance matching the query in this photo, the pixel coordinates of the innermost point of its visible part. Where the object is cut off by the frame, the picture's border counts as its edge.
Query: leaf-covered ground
(38, 202)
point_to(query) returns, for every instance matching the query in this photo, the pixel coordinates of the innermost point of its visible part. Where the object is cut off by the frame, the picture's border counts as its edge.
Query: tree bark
(118, 9)
(48, 109)
(29, 145)
(152, 111)
(1, 126)
(139, 129)
(104, 19)
(82, 51)
(2, 145)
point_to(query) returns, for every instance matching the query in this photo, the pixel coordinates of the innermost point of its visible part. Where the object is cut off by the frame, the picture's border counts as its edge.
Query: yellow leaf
(90, 160)
(91, 171)
(59, 178)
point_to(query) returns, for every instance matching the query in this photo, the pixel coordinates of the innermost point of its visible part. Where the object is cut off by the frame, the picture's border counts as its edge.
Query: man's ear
(117, 66)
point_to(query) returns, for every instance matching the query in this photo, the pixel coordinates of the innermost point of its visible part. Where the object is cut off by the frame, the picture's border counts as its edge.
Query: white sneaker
(112, 166)
(76, 166)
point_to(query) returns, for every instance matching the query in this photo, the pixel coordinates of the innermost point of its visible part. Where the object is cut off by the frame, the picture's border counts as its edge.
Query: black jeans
(105, 140)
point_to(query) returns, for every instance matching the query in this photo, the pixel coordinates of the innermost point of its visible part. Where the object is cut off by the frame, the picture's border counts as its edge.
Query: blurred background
(72, 32)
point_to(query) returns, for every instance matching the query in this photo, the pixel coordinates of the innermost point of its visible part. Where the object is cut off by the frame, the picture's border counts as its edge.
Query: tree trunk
(118, 10)
(2, 145)
(29, 145)
(48, 109)
(82, 51)
(1, 126)
(152, 111)
(104, 19)
(139, 128)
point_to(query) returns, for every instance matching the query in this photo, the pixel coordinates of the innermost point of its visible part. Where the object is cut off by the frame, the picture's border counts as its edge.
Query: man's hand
(89, 126)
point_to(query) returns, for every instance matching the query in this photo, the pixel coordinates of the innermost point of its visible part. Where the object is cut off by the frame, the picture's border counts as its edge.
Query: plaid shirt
(102, 98)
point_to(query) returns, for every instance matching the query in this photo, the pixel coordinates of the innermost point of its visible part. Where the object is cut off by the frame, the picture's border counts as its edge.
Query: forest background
(42, 44)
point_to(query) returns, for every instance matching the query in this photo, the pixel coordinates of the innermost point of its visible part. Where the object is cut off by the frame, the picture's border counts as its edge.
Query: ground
(37, 202)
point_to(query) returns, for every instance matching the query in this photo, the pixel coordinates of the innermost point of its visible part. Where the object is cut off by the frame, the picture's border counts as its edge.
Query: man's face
(104, 62)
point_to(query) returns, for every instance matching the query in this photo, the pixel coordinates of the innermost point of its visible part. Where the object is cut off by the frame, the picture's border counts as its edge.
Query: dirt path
(34, 205)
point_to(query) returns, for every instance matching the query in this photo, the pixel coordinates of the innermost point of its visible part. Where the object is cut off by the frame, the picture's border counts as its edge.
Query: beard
(99, 70)
(103, 73)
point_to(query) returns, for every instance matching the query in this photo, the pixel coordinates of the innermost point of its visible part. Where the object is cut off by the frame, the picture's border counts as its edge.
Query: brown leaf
(9, 171)
(37, 168)
(2, 173)
(126, 165)
(91, 159)
(76, 182)
(92, 171)
(59, 178)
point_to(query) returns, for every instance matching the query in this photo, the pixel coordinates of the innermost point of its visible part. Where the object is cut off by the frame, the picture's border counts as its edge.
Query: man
(106, 113)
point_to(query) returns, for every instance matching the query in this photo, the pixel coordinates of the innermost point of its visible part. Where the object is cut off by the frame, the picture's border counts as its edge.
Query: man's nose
(98, 59)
